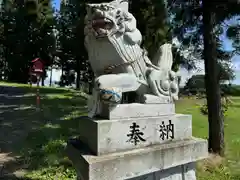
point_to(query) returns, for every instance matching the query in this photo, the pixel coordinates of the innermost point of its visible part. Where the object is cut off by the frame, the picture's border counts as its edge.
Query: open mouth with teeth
(102, 26)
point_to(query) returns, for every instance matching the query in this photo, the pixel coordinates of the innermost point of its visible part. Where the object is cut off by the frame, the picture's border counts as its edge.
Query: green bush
(231, 90)
(225, 105)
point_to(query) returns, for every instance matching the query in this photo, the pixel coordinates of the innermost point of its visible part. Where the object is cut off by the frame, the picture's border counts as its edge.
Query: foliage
(233, 33)
(180, 22)
(67, 80)
(39, 11)
(231, 90)
(29, 30)
(71, 52)
(158, 29)
(155, 32)
(225, 106)
(195, 84)
(24, 36)
(187, 28)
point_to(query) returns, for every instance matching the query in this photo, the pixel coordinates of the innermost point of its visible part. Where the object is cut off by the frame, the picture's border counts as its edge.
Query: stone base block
(138, 162)
(137, 110)
(182, 172)
(107, 136)
(151, 99)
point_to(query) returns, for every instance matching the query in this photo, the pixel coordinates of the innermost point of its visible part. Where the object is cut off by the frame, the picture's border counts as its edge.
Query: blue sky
(227, 45)
(56, 4)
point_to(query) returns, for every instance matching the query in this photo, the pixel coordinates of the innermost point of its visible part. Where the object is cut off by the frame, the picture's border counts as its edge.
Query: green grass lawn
(229, 169)
(41, 150)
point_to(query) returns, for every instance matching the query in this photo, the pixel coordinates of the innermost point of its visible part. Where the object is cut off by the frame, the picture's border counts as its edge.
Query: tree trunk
(78, 74)
(43, 78)
(78, 80)
(215, 116)
(50, 84)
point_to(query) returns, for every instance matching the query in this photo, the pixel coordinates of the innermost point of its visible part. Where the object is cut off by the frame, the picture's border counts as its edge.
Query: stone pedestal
(160, 147)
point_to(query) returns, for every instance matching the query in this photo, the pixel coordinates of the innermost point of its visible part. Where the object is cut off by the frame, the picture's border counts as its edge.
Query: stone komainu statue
(120, 65)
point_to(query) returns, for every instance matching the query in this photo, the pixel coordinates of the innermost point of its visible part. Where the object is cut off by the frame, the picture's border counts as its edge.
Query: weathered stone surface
(112, 38)
(133, 110)
(138, 162)
(105, 136)
(182, 172)
(137, 110)
(151, 99)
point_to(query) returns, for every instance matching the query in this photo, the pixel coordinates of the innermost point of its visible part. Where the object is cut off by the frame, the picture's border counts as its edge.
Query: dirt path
(14, 127)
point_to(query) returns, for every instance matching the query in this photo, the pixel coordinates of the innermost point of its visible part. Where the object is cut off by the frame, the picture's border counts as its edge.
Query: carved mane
(123, 41)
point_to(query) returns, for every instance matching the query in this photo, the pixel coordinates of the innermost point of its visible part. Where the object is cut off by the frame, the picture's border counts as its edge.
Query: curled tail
(163, 58)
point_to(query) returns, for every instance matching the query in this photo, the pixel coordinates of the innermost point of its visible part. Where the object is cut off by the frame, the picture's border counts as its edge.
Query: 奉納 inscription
(166, 130)
(135, 134)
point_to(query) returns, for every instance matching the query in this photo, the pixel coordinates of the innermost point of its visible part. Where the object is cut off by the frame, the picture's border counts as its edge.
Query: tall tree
(73, 55)
(155, 31)
(215, 116)
(67, 19)
(26, 34)
(187, 30)
(41, 23)
(13, 41)
(196, 34)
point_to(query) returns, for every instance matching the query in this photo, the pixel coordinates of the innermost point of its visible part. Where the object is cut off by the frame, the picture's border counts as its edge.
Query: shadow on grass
(37, 140)
(4, 89)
